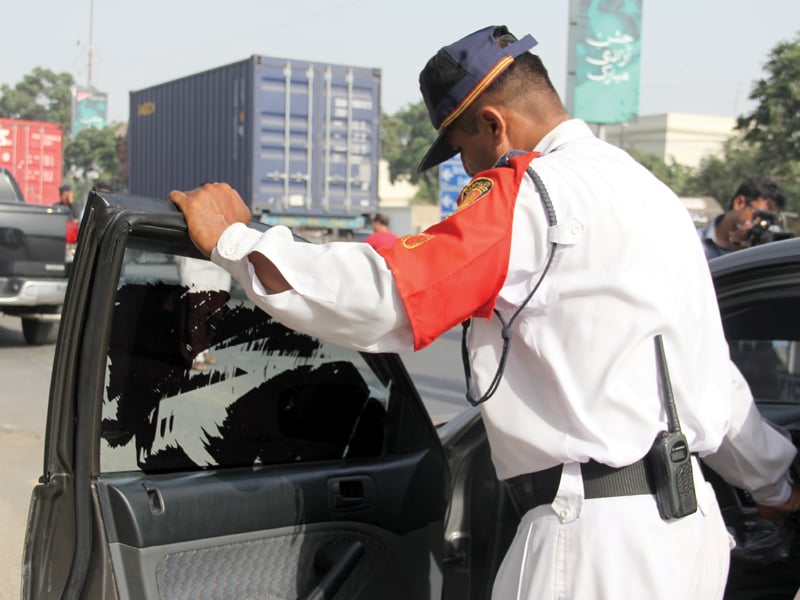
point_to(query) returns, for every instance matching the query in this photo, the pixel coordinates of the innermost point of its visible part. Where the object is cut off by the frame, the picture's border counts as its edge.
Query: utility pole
(91, 42)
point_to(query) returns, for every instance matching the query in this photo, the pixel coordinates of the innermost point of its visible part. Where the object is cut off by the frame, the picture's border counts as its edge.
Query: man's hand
(779, 513)
(208, 211)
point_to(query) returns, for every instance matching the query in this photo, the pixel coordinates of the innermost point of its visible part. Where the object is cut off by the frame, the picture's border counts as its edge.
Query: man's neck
(722, 230)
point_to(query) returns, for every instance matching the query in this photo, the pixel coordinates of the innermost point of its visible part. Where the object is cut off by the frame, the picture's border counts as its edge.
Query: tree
(773, 129)
(775, 123)
(675, 175)
(42, 95)
(407, 135)
(768, 139)
(92, 156)
(720, 175)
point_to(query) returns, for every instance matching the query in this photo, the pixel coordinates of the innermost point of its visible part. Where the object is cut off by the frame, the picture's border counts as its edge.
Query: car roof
(765, 255)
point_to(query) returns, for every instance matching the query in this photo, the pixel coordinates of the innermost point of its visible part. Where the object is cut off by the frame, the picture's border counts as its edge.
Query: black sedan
(229, 457)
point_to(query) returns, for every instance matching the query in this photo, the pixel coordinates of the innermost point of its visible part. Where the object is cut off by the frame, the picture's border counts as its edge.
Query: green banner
(607, 55)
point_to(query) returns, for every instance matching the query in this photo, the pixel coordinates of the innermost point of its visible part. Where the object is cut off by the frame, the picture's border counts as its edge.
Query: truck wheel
(38, 333)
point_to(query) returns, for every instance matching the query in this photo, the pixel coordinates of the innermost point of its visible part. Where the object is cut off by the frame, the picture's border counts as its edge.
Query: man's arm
(778, 513)
(268, 274)
(340, 292)
(209, 210)
(754, 455)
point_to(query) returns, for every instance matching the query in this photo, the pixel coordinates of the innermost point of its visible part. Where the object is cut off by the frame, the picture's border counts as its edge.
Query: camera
(766, 228)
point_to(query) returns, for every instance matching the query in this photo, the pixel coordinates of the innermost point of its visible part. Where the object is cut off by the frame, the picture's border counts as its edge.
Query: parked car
(293, 468)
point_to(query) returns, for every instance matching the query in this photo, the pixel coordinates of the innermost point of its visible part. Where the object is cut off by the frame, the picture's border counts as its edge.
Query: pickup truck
(36, 248)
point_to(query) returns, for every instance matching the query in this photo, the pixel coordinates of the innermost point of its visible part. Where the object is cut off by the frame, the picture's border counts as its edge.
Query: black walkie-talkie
(670, 458)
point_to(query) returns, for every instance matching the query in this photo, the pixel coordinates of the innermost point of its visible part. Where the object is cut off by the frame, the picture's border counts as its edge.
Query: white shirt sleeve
(342, 292)
(755, 455)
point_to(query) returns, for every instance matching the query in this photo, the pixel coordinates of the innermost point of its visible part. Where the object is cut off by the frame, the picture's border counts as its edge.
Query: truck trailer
(33, 152)
(299, 141)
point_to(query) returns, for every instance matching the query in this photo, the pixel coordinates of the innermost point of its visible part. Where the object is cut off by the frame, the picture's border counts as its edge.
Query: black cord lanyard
(507, 332)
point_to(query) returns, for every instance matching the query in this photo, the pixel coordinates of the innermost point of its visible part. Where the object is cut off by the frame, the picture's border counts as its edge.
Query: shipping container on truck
(33, 152)
(300, 141)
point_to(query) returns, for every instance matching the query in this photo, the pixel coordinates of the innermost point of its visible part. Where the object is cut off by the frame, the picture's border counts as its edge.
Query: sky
(698, 56)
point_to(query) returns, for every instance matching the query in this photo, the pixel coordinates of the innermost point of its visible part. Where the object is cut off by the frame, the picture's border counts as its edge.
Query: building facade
(683, 138)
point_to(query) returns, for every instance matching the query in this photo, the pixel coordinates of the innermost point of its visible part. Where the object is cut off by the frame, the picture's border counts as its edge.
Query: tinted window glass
(8, 191)
(264, 395)
(771, 367)
(762, 326)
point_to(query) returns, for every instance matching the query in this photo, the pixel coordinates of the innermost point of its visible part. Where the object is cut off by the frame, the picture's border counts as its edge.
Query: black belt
(599, 481)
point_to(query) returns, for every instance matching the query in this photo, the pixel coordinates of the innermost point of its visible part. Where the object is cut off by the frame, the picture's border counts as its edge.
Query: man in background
(733, 229)
(382, 236)
(66, 198)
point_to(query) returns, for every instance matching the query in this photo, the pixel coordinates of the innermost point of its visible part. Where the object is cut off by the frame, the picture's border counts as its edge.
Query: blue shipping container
(294, 138)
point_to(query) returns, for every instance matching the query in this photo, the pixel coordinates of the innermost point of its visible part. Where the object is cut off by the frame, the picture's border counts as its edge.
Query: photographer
(752, 213)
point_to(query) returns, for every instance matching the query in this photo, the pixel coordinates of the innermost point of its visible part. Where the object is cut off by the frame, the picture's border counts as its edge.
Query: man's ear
(739, 202)
(492, 119)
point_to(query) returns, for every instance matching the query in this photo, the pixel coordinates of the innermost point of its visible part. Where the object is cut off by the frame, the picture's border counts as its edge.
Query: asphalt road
(439, 376)
(25, 375)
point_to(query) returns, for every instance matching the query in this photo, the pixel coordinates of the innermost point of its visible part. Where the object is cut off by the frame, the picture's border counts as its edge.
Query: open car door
(289, 468)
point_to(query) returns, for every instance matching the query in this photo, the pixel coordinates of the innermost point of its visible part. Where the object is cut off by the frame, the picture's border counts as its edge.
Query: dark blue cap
(458, 74)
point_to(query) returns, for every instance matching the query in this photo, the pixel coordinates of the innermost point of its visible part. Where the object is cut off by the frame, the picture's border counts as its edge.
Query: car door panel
(269, 529)
(142, 510)
(287, 468)
(760, 306)
(275, 566)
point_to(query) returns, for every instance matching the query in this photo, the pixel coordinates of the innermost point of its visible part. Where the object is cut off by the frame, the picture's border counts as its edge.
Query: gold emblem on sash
(473, 192)
(415, 240)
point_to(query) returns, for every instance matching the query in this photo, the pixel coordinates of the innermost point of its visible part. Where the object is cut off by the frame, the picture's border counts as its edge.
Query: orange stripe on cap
(501, 66)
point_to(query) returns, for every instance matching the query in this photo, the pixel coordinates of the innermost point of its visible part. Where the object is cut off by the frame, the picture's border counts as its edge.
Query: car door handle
(351, 493)
(337, 561)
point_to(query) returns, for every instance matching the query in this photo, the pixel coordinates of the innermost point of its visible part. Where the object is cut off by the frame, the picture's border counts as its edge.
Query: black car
(292, 468)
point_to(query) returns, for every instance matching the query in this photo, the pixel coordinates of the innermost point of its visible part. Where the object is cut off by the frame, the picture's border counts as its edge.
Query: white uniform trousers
(615, 549)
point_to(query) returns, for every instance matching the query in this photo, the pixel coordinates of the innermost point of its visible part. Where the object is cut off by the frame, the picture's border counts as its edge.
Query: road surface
(25, 372)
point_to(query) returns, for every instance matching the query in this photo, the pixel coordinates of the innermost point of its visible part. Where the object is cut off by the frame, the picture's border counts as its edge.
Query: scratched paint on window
(271, 395)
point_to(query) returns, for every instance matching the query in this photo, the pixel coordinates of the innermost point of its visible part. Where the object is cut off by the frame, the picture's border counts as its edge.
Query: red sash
(455, 269)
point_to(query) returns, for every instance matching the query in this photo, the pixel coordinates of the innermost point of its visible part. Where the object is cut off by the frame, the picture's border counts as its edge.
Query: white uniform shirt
(580, 382)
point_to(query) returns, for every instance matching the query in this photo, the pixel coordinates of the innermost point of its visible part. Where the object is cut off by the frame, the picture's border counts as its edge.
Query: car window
(9, 191)
(762, 326)
(771, 367)
(266, 395)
